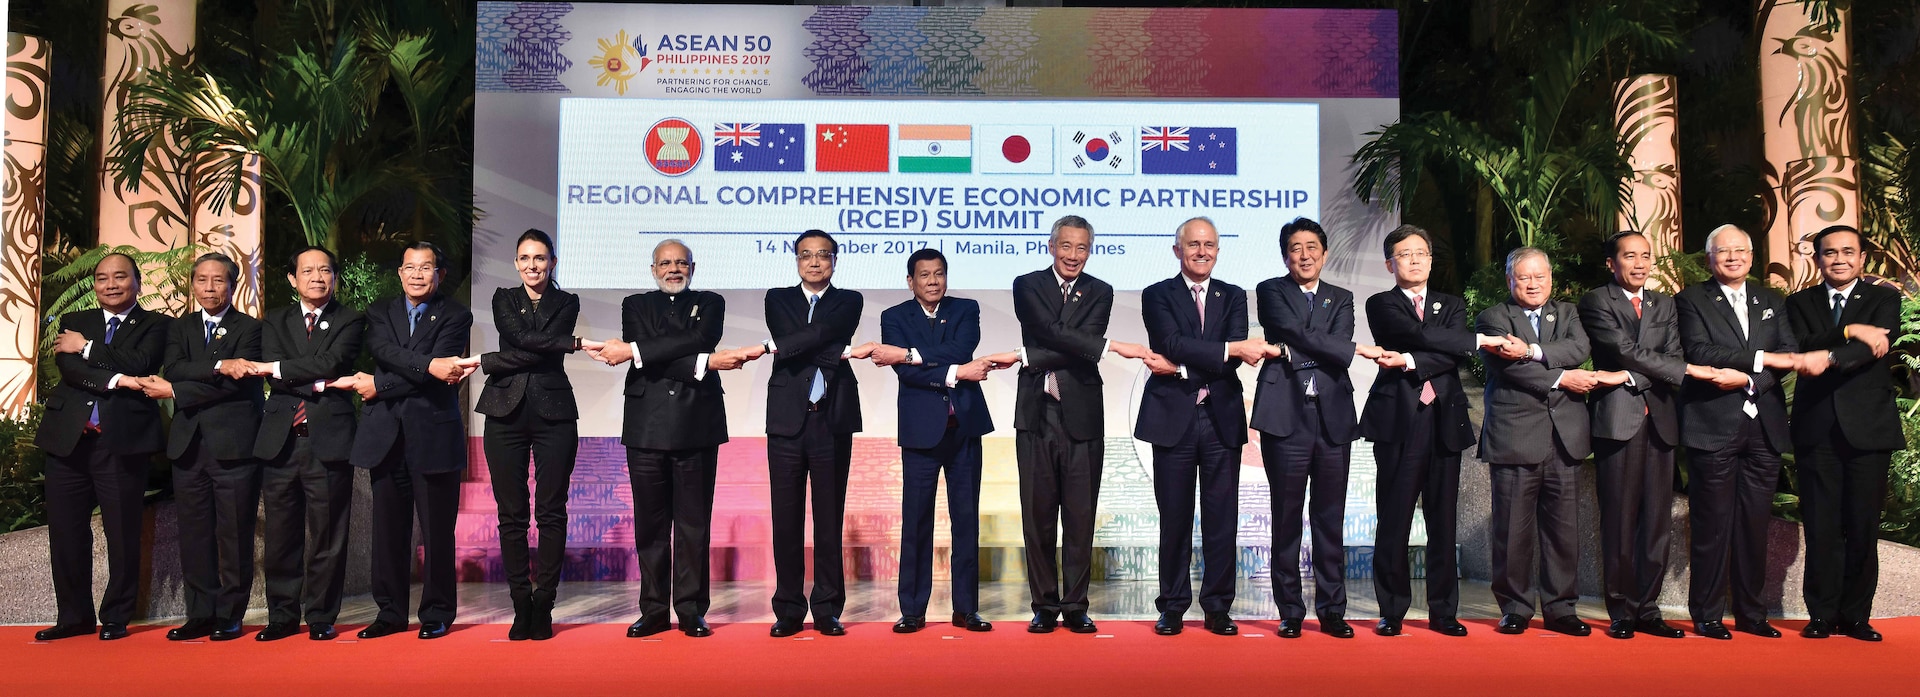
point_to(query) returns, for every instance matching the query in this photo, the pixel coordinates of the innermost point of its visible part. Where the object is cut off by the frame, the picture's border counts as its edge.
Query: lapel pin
(943, 321)
(1436, 307)
(1549, 318)
(1216, 294)
(323, 325)
(132, 320)
(219, 332)
(1326, 302)
(695, 313)
(431, 318)
(1766, 315)
(1756, 300)
(1856, 296)
(523, 310)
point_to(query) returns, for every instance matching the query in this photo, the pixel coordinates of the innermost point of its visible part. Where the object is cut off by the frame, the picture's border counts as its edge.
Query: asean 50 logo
(674, 146)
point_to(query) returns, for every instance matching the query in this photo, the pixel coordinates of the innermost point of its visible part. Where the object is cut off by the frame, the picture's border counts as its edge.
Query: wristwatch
(1830, 359)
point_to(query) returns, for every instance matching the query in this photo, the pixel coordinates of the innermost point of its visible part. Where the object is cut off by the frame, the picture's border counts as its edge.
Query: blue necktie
(413, 318)
(210, 325)
(819, 377)
(1533, 317)
(1312, 390)
(113, 323)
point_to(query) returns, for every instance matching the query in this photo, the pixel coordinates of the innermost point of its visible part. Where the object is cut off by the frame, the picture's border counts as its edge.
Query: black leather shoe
(1620, 629)
(1447, 625)
(381, 628)
(193, 629)
(321, 631)
(972, 621)
(909, 625)
(1569, 625)
(1659, 628)
(1336, 627)
(695, 627)
(1712, 629)
(1759, 629)
(648, 626)
(434, 630)
(62, 631)
(829, 626)
(1817, 629)
(1042, 624)
(228, 633)
(1387, 627)
(1079, 623)
(1512, 624)
(541, 626)
(1167, 625)
(1221, 624)
(1859, 630)
(522, 616)
(1289, 629)
(784, 628)
(113, 630)
(276, 631)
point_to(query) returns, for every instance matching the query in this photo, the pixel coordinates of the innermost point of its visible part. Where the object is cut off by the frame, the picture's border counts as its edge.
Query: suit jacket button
(671, 393)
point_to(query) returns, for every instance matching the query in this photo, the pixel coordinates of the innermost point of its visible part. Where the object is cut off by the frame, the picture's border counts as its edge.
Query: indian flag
(945, 149)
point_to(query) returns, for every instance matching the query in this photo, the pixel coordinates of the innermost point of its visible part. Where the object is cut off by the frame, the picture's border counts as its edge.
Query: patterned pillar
(1646, 111)
(142, 35)
(23, 209)
(232, 225)
(1806, 110)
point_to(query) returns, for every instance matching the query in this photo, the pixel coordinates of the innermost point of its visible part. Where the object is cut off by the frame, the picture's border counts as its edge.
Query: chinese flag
(844, 147)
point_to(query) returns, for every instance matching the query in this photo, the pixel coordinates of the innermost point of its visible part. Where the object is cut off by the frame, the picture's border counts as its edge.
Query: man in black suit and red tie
(813, 410)
(413, 440)
(216, 480)
(1303, 409)
(1845, 429)
(1195, 419)
(99, 430)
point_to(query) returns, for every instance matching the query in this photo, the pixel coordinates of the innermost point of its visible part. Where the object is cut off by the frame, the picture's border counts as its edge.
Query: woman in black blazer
(530, 410)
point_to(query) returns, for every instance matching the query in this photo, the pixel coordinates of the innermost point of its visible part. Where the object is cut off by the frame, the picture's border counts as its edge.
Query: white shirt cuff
(1750, 389)
(1409, 358)
(771, 347)
(216, 365)
(114, 381)
(1630, 382)
(1023, 356)
(635, 361)
(699, 366)
(913, 356)
(1106, 346)
(86, 352)
(1556, 380)
(1182, 370)
(953, 375)
(1759, 362)
(318, 385)
(275, 367)
(1535, 354)
(846, 353)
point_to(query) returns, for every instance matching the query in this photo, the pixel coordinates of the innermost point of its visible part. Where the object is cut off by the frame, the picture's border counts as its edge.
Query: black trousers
(672, 527)
(1059, 490)
(1635, 478)
(508, 442)
(1415, 470)
(400, 496)
(92, 476)
(1842, 491)
(217, 503)
(920, 479)
(1535, 509)
(1730, 504)
(1308, 461)
(824, 456)
(1200, 455)
(308, 503)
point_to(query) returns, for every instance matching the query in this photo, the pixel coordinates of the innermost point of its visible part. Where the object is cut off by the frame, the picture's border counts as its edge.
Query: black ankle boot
(541, 628)
(523, 616)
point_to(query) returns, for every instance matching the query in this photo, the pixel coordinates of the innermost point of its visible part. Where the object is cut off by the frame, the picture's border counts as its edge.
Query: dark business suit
(216, 480)
(1845, 429)
(100, 461)
(673, 427)
(412, 438)
(1417, 445)
(529, 406)
(810, 439)
(1306, 436)
(940, 429)
(1534, 437)
(1059, 442)
(306, 438)
(1195, 436)
(1636, 427)
(1733, 457)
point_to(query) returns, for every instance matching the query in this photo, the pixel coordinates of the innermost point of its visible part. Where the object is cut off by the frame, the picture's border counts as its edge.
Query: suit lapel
(1624, 306)
(1214, 301)
(1518, 316)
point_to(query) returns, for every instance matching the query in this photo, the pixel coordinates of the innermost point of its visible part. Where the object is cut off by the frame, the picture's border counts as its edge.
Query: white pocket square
(1767, 315)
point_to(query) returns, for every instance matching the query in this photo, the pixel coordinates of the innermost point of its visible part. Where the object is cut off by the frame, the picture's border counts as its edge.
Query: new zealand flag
(1188, 150)
(759, 147)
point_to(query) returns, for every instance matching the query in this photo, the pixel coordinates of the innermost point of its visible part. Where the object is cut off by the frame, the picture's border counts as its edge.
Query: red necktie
(1636, 306)
(1420, 311)
(300, 406)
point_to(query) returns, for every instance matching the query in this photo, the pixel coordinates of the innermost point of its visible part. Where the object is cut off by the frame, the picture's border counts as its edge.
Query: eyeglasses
(1734, 251)
(411, 270)
(1405, 257)
(810, 256)
(673, 263)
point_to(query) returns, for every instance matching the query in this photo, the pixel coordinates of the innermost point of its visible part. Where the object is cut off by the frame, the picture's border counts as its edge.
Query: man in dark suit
(929, 341)
(1635, 427)
(813, 410)
(1416, 416)
(413, 440)
(1303, 409)
(1734, 431)
(675, 421)
(1535, 435)
(1059, 420)
(1845, 429)
(305, 440)
(99, 430)
(216, 480)
(1195, 419)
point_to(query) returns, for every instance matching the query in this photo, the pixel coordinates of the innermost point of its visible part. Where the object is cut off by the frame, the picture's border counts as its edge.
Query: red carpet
(477, 661)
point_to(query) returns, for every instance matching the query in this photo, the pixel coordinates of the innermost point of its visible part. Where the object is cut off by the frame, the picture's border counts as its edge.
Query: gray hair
(1053, 237)
(1729, 227)
(1182, 229)
(672, 241)
(1522, 254)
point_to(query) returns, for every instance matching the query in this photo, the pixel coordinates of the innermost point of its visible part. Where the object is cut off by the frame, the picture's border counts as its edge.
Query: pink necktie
(1420, 311)
(1200, 305)
(1051, 384)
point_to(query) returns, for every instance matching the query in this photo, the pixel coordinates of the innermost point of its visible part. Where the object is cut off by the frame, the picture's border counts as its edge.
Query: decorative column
(1806, 110)
(143, 35)
(23, 208)
(1646, 114)
(231, 224)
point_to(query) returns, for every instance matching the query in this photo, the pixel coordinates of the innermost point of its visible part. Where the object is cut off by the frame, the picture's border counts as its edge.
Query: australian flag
(759, 147)
(1188, 150)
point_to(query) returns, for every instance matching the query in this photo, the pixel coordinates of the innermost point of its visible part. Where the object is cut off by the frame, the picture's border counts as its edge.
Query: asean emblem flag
(943, 149)
(1095, 149)
(846, 147)
(1016, 149)
(1189, 150)
(759, 147)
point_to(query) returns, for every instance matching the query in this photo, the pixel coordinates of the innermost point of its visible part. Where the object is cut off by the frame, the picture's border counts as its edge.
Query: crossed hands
(1381, 356)
(1874, 337)
(152, 385)
(1509, 347)
(1580, 381)
(360, 383)
(69, 341)
(1155, 362)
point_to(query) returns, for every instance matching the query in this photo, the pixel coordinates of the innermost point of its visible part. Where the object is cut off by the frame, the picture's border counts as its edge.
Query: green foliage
(362, 282)
(1677, 270)
(22, 473)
